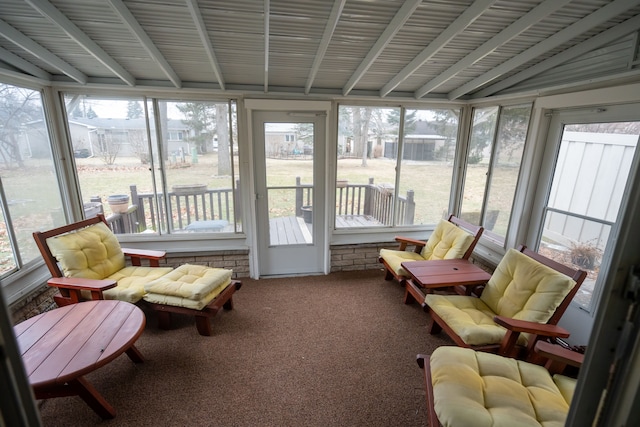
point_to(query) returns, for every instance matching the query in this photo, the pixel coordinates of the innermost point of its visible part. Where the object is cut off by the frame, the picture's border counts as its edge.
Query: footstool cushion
(189, 286)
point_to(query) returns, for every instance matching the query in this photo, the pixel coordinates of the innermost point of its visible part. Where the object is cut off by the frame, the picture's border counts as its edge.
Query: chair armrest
(138, 254)
(531, 327)
(74, 285)
(559, 353)
(407, 241)
(516, 327)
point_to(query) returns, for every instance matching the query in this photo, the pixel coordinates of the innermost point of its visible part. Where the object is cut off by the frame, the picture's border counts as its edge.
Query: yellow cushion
(131, 281)
(522, 288)
(447, 242)
(395, 258)
(470, 318)
(90, 253)
(566, 386)
(482, 389)
(191, 286)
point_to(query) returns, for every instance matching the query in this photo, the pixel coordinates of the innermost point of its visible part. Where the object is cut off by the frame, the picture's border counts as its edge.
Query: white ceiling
(446, 49)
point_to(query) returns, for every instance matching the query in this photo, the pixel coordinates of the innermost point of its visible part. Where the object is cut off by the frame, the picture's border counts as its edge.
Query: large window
(590, 175)
(377, 187)
(168, 168)
(29, 193)
(494, 155)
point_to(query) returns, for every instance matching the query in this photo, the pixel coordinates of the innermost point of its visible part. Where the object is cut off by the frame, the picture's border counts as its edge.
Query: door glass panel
(289, 179)
(588, 184)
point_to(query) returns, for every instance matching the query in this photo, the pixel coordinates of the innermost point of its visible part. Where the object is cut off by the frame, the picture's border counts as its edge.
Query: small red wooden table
(428, 275)
(59, 346)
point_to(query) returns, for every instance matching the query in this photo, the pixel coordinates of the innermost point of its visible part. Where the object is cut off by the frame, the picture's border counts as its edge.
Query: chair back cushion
(91, 253)
(524, 289)
(447, 242)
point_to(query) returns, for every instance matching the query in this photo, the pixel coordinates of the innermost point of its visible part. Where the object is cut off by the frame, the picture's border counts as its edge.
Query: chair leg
(388, 275)
(203, 324)
(434, 327)
(164, 319)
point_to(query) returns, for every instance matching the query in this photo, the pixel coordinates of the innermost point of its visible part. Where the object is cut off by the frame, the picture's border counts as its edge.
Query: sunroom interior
(299, 138)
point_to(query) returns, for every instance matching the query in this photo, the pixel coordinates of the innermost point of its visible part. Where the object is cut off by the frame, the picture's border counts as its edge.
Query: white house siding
(593, 170)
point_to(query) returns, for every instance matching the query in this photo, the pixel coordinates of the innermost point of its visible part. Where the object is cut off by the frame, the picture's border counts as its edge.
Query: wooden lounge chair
(470, 388)
(523, 301)
(87, 262)
(453, 238)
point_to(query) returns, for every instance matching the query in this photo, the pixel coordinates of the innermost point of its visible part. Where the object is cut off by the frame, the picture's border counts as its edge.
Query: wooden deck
(291, 230)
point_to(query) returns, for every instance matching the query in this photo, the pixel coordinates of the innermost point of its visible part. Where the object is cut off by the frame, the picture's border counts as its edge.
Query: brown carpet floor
(336, 350)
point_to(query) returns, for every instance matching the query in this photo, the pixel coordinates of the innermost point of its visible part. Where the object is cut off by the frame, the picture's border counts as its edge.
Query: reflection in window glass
(505, 168)
(478, 160)
(367, 152)
(32, 200)
(430, 138)
(493, 165)
(113, 156)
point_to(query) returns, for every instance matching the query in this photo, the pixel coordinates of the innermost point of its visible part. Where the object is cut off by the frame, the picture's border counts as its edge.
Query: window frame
(551, 144)
(487, 240)
(387, 233)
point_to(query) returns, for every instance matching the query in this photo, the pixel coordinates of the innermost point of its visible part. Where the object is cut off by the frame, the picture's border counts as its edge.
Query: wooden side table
(428, 275)
(60, 346)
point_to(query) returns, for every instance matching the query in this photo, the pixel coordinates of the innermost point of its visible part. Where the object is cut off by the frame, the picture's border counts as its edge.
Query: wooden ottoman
(195, 290)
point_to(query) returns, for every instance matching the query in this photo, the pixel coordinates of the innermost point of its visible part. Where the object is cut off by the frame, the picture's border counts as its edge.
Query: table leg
(134, 354)
(91, 396)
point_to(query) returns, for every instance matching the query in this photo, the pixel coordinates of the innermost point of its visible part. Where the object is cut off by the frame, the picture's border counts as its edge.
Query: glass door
(289, 199)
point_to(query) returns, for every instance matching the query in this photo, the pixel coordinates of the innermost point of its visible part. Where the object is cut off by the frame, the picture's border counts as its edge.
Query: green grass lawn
(430, 181)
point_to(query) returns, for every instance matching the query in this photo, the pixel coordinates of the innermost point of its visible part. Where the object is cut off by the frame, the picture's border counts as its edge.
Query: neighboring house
(93, 137)
(281, 140)
(127, 136)
(423, 143)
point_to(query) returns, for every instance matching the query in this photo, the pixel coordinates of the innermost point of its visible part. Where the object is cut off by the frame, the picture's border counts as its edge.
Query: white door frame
(294, 107)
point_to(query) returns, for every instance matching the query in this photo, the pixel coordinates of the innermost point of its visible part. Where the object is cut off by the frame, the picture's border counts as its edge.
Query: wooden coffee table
(429, 275)
(60, 346)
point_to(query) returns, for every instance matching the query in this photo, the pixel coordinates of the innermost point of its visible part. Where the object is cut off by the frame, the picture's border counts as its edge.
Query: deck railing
(372, 200)
(203, 204)
(187, 206)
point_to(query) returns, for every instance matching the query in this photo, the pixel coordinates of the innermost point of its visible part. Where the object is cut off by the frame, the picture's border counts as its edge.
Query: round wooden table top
(68, 342)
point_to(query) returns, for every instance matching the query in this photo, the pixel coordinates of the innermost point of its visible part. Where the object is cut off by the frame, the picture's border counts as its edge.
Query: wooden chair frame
(70, 288)
(515, 327)
(418, 245)
(556, 358)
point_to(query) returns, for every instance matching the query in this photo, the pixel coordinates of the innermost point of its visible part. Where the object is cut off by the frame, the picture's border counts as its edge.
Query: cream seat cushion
(189, 286)
(473, 388)
(446, 242)
(520, 288)
(94, 253)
